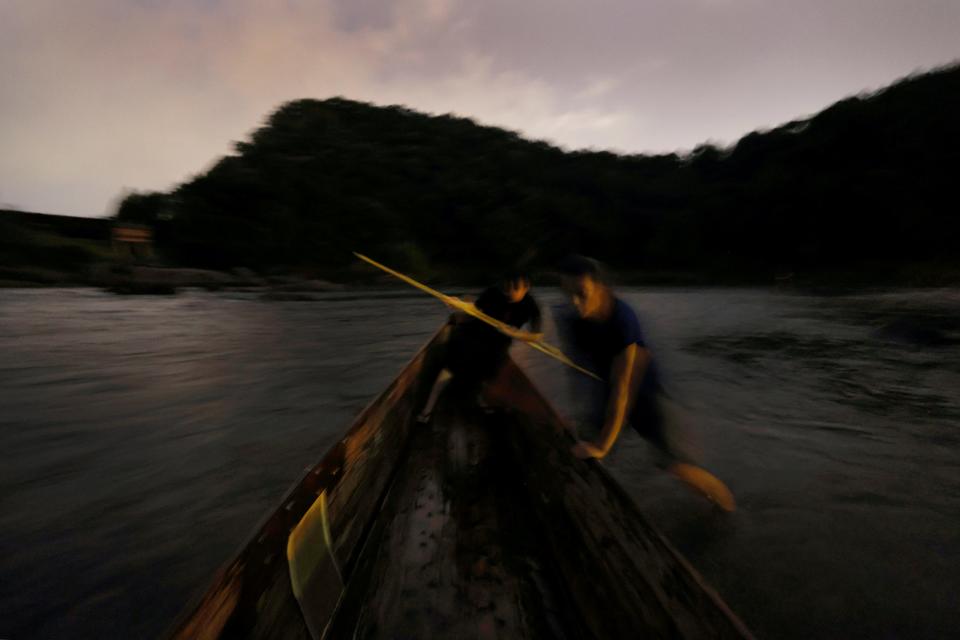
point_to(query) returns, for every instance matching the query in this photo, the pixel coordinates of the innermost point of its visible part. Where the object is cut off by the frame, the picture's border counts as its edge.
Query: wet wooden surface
(458, 555)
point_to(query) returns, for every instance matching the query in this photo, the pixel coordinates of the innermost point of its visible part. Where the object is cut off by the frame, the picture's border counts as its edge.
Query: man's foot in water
(704, 483)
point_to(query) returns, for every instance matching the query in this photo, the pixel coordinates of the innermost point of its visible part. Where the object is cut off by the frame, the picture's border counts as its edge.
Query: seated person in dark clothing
(477, 350)
(604, 335)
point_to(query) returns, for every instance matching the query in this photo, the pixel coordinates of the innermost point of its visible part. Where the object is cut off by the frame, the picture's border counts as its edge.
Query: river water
(143, 438)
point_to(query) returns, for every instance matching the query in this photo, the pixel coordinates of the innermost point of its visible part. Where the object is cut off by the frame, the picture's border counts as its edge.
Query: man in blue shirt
(604, 336)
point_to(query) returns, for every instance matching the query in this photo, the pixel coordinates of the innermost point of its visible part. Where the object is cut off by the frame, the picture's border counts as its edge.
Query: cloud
(103, 95)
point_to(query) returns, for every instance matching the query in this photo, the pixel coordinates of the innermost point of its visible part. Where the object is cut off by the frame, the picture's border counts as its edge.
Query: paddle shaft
(470, 309)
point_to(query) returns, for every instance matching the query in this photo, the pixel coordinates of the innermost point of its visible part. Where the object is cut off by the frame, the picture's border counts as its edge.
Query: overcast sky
(102, 96)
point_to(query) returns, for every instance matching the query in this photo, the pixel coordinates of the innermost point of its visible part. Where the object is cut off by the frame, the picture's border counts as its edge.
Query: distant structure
(75, 227)
(132, 241)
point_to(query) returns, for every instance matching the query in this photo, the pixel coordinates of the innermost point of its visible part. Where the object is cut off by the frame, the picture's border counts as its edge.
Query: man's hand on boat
(584, 450)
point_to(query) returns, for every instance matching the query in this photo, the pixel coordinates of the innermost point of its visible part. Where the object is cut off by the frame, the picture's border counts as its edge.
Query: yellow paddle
(471, 309)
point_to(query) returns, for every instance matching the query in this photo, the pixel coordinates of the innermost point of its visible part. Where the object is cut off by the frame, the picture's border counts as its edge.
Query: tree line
(867, 183)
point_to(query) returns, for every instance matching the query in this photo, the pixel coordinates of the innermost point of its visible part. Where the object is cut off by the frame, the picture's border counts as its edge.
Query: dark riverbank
(40, 250)
(849, 197)
(126, 278)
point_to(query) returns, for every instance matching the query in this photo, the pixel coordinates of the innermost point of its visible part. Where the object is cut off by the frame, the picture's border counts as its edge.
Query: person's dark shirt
(596, 343)
(495, 304)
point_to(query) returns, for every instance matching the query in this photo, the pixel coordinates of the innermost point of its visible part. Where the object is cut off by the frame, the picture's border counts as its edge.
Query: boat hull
(478, 525)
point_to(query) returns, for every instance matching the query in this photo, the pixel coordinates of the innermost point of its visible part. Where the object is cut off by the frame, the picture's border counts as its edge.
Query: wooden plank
(122, 234)
(455, 554)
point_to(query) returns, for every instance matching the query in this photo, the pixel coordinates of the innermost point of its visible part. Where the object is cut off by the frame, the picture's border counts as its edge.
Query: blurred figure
(604, 336)
(476, 350)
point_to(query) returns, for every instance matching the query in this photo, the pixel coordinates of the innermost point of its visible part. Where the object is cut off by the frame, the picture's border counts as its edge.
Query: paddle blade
(314, 575)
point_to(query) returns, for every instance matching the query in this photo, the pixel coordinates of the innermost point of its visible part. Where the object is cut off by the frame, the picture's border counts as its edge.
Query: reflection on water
(144, 438)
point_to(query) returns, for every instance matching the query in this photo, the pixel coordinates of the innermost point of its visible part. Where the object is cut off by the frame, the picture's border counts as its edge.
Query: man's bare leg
(443, 379)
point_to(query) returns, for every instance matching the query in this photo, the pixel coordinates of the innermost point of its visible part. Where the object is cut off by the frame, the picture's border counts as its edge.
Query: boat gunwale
(556, 421)
(259, 535)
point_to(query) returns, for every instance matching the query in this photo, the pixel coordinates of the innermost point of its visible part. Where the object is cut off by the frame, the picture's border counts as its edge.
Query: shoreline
(290, 281)
(292, 285)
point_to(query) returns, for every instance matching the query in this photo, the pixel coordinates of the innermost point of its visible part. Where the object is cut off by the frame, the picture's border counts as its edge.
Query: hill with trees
(866, 186)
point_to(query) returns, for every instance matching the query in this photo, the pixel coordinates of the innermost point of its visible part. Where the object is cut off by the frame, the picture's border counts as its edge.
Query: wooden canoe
(478, 525)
